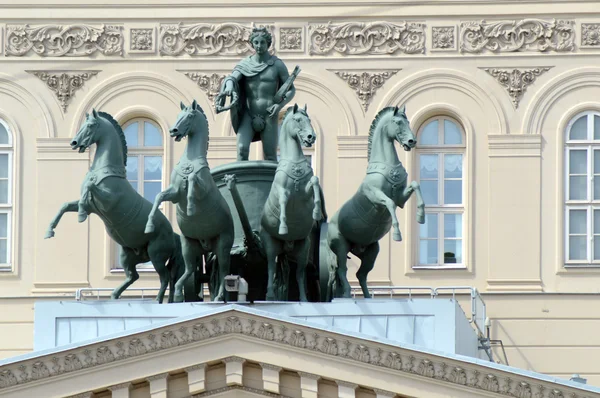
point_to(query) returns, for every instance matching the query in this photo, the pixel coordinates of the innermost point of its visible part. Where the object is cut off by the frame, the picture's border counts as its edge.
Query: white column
(120, 390)
(346, 390)
(270, 375)
(234, 367)
(196, 377)
(309, 383)
(158, 385)
(384, 394)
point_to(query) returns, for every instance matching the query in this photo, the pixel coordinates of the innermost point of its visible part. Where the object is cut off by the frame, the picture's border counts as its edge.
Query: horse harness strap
(97, 175)
(297, 171)
(187, 169)
(396, 175)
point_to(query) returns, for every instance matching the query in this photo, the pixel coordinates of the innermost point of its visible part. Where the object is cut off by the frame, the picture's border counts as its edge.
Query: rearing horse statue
(203, 215)
(367, 216)
(294, 202)
(107, 193)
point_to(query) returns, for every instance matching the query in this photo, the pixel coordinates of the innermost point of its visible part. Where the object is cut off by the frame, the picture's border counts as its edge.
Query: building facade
(503, 97)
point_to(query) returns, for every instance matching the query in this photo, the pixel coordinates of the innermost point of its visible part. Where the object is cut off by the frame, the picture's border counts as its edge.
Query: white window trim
(442, 149)
(7, 208)
(141, 152)
(590, 204)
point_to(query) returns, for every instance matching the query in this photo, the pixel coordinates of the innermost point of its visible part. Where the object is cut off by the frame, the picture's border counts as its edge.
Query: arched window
(6, 184)
(144, 162)
(582, 196)
(440, 159)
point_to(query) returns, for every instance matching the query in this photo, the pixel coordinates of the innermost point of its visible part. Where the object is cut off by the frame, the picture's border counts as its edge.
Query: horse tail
(176, 266)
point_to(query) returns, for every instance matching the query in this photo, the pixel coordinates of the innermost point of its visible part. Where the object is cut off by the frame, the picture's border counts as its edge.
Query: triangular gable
(261, 337)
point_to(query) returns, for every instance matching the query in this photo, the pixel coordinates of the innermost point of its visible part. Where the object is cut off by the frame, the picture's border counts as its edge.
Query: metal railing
(84, 292)
(478, 308)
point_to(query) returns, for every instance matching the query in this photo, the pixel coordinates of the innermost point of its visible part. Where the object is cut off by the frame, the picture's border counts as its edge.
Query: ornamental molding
(63, 40)
(512, 35)
(210, 83)
(590, 35)
(359, 38)
(142, 40)
(443, 38)
(291, 39)
(239, 388)
(365, 84)
(64, 84)
(516, 81)
(237, 323)
(204, 39)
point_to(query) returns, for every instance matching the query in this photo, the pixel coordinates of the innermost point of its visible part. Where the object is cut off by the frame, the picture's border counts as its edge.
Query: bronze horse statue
(203, 215)
(294, 202)
(107, 193)
(367, 216)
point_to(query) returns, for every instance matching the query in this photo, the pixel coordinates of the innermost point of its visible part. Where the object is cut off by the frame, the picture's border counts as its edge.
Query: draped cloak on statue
(248, 67)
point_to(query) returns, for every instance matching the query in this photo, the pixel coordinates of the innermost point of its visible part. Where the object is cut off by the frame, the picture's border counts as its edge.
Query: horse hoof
(149, 229)
(397, 236)
(49, 234)
(81, 217)
(178, 298)
(114, 297)
(421, 218)
(283, 230)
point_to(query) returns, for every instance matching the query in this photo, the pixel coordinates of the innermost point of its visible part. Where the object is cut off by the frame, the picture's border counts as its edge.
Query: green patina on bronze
(294, 203)
(259, 87)
(363, 220)
(203, 215)
(107, 193)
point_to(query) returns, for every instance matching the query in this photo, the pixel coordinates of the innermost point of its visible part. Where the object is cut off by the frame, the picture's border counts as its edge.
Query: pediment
(237, 334)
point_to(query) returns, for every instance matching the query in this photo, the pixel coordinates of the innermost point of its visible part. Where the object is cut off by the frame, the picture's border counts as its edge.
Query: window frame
(442, 150)
(589, 204)
(8, 207)
(140, 152)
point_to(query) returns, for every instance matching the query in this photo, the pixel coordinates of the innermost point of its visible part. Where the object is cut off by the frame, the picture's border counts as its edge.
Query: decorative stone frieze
(524, 35)
(63, 40)
(365, 84)
(590, 34)
(516, 81)
(209, 83)
(203, 39)
(358, 38)
(291, 39)
(443, 38)
(64, 84)
(142, 40)
(423, 365)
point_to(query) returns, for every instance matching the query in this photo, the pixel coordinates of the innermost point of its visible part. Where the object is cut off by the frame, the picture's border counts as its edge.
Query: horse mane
(117, 127)
(199, 109)
(374, 125)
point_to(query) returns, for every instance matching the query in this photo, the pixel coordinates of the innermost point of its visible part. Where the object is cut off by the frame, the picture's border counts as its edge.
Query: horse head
(88, 132)
(187, 120)
(398, 128)
(297, 125)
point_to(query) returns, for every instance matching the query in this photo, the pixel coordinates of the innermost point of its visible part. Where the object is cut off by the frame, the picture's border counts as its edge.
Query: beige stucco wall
(546, 315)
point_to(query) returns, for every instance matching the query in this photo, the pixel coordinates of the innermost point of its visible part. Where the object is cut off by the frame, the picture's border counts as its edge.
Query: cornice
(285, 334)
(515, 145)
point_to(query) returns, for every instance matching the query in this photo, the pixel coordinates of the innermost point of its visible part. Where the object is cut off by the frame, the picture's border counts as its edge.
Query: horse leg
(169, 194)
(313, 184)
(223, 252)
(65, 208)
(408, 191)
(192, 252)
(159, 251)
(129, 260)
(382, 199)
(367, 262)
(340, 247)
(192, 193)
(272, 249)
(284, 196)
(301, 248)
